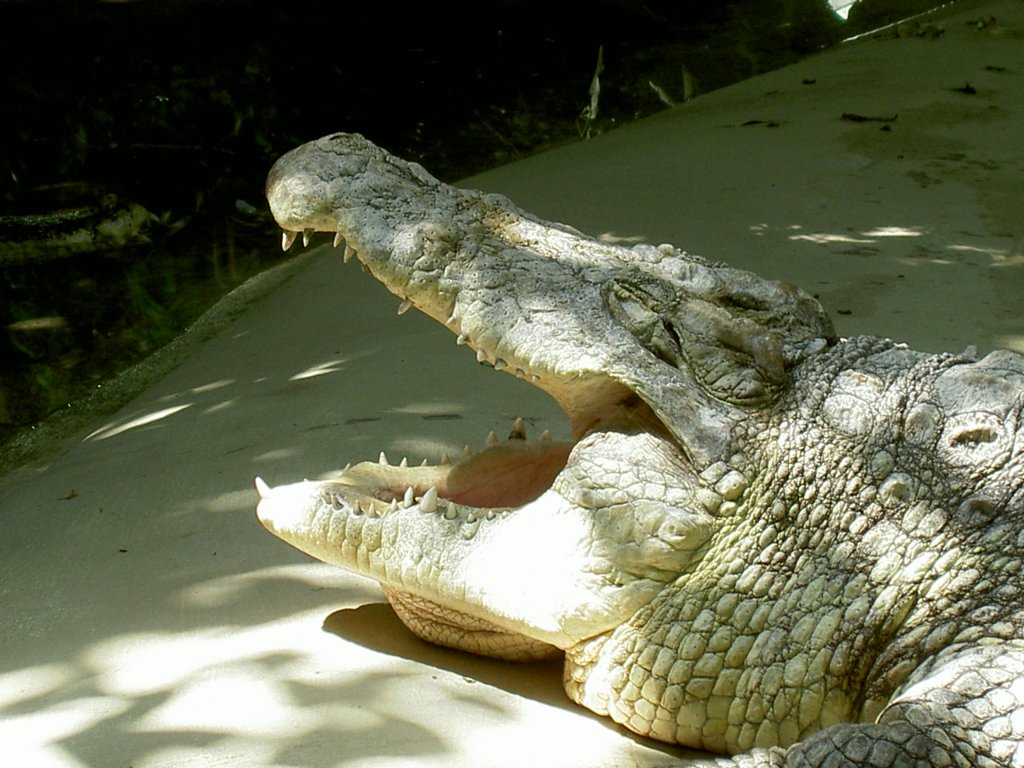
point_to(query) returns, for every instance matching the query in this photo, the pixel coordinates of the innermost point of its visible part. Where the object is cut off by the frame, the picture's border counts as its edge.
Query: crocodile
(762, 540)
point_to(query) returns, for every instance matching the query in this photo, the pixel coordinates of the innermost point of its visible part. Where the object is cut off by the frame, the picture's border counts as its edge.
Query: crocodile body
(762, 540)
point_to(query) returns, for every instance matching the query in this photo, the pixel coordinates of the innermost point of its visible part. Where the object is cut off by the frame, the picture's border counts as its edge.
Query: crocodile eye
(635, 310)
(735, 359)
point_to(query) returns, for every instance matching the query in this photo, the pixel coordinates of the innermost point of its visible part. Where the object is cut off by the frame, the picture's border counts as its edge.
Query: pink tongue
(507, 475)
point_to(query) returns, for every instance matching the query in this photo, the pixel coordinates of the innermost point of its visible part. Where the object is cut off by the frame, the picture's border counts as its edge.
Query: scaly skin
(762, 541)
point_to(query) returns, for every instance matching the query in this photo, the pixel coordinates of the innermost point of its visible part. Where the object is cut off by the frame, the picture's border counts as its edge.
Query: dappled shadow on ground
(219, 671)
(209, 687)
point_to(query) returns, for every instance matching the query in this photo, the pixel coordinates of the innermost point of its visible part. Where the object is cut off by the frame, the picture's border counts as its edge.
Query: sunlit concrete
(149, 620)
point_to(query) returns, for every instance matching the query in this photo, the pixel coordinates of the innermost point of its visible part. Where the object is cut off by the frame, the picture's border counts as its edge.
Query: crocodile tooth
(491, 514)
(338, 239)
(492, 438)
(347, 468)
(287, 238)
(404, 463)
(262, 488)
(349, 253)
(499, 364)
(394, 505)
(357, 508)
(453, 319)
(382, 459)
(445, 459)
(409, 498)
(424, 463)
(404, 307)
(481, 356)
(461, 339)
(466, 452)
(306, 234)
(451, 512)
(545, 436)
(429, 501)
(518, 430)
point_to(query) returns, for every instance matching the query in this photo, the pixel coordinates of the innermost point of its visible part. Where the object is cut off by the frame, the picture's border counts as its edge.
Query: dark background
(181, 107)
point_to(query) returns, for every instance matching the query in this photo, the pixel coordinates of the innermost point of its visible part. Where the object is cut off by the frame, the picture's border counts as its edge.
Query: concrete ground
(149, 620)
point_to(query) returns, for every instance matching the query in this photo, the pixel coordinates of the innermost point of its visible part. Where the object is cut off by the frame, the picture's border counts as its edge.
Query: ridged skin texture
(766, 542)
(869, 573)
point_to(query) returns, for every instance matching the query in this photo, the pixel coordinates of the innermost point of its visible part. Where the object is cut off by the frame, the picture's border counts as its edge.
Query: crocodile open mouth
(501, 476)
(504, 474)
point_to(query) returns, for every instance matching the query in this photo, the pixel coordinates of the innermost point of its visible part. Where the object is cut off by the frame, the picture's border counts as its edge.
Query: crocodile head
(657, 357)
